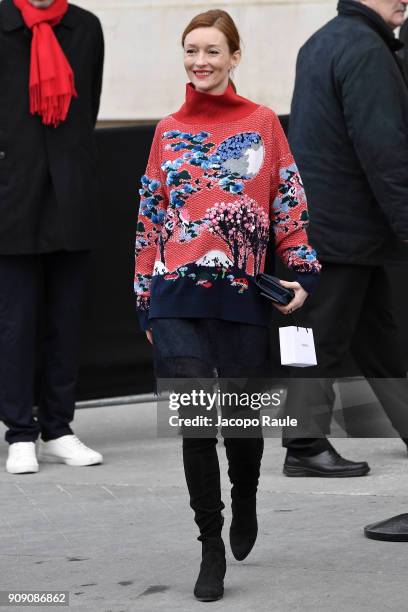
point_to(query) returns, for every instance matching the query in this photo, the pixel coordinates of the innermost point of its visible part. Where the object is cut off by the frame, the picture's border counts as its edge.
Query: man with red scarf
(51, 60)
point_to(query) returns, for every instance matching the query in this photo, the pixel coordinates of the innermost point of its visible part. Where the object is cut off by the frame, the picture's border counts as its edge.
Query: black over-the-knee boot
(203, 481)
(244, 461)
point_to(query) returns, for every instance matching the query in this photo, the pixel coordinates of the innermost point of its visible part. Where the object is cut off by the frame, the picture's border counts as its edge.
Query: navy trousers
(51, 288)
(355, 330)
(201, 348)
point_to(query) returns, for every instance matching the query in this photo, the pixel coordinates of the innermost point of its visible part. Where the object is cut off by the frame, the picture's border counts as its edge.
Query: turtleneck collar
(373, 19)
(207, 108)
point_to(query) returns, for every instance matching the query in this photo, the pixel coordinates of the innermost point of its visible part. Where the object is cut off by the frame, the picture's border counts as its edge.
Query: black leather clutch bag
(271, 288)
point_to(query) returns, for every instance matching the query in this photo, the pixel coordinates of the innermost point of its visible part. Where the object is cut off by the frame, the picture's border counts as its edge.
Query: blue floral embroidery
(235, 145)
(150, 200)
(290, 188)
(142, 284)
(304, 252)
(238, 158)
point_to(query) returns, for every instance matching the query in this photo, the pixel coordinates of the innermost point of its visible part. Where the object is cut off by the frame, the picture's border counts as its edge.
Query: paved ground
(120, 537)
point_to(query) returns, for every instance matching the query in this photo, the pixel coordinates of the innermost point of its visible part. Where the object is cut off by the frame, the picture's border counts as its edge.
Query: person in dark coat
(349, 135)
(403, 53)
(51, 61)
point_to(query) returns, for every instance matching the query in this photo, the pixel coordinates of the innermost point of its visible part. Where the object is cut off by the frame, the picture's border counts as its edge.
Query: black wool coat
(48, 176)
(403, 36)
(349, 135)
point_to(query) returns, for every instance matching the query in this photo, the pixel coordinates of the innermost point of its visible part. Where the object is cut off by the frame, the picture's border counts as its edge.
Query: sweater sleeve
(151, 218)
(289, 215)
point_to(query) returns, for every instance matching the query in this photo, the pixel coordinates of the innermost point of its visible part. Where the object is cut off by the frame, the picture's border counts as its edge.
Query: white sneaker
(21, 458)
(70, 450)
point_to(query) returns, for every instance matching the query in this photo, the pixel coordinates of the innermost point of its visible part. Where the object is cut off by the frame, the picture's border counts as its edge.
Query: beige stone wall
(144, 75)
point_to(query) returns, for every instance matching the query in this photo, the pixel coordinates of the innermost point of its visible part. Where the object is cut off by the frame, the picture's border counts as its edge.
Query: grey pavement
(121, 536)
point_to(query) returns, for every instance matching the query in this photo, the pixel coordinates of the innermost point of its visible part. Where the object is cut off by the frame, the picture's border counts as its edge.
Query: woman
(219, 172)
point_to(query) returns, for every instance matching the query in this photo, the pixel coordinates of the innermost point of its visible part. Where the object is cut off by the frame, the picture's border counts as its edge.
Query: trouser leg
(377, 352)
(333, 313)
(309, 401)
(65, 282)
(19, 289)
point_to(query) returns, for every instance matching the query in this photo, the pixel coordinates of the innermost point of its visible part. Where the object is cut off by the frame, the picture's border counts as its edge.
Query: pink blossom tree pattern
(244, 226)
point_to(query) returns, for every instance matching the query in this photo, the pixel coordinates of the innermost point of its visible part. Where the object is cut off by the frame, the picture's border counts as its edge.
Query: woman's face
(208, 61)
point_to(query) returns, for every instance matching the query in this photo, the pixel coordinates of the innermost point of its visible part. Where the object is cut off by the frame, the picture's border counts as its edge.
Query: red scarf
(51, 77)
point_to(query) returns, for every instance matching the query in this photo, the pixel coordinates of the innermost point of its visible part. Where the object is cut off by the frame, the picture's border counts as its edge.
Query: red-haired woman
(219, 173)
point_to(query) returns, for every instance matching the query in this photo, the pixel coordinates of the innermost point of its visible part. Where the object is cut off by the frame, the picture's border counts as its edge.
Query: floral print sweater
(220, 178)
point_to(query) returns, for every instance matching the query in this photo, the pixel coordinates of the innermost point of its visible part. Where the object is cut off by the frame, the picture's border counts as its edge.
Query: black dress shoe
(244, 526)
(210, 581)
(394, 529)
(328, 464)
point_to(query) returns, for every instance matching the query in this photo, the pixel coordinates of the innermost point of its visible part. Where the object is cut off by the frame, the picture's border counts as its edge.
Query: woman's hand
(149, 335)
(297, 302)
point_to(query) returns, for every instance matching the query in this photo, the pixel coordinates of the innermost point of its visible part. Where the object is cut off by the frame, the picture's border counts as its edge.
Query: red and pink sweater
(220, 175)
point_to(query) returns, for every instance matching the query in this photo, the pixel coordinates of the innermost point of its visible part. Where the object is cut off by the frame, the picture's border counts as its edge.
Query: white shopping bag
(297, 346)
